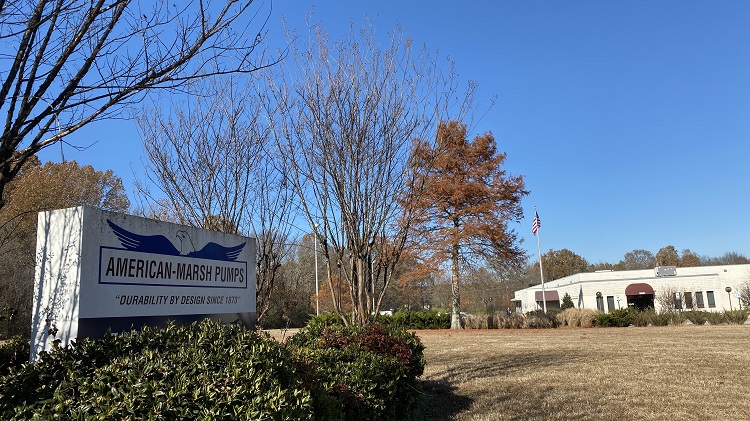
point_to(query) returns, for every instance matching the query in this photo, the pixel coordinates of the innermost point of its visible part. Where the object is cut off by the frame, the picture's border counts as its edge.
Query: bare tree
(211, 162)
(346, 113)
(272, 210)
(202, 151)
(744, 290)
(728, 258)
(68, 63)
(669, 300)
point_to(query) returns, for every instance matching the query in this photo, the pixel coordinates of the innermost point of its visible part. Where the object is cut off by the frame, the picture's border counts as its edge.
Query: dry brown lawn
(651, 373)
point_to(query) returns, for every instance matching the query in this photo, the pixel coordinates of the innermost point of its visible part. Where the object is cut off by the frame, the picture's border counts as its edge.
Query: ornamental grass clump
(577, 317)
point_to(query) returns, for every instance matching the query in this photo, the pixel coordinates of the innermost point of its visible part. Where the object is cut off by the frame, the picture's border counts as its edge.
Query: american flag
(537, 223)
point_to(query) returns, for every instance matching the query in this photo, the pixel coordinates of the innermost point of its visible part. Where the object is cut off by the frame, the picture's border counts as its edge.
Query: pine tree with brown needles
(467, 202)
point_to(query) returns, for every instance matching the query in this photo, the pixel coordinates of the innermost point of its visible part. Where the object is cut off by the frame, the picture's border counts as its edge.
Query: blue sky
(629, 120)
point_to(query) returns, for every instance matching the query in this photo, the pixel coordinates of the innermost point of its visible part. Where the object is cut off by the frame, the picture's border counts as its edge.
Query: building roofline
(622, 275)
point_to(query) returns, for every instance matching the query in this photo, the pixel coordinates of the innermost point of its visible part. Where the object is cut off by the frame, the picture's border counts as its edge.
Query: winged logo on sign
(160, 244)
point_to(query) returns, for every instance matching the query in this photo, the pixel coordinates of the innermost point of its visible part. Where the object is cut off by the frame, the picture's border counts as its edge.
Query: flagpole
(535, 230)
(541, 272)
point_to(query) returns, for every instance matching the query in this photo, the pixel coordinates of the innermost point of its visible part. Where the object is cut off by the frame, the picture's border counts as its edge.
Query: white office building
(710, 288)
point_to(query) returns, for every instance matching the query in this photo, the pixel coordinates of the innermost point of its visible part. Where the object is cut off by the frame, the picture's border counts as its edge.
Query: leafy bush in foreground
(204, 371)
(369, 372)
(209, 371)
(13, 354)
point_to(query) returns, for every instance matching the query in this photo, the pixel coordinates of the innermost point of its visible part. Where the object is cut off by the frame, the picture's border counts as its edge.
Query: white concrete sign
(100, 270)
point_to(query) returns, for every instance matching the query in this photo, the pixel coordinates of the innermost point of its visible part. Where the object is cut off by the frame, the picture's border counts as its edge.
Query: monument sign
(99, 271)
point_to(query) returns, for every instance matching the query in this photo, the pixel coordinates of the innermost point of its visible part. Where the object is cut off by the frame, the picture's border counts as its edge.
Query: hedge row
(401, 319)
(209, 371)
(648, 317)
(587, 318)
(417, 320)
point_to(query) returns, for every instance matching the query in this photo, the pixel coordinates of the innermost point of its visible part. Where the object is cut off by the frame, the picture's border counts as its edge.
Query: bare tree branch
(345, 116)
(69, 63)
(211, 159)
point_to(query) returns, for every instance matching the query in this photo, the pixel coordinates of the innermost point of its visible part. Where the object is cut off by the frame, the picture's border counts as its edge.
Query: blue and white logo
(156, 260)
(159, 244)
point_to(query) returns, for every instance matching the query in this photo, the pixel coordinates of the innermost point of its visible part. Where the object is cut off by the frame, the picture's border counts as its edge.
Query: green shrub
(402, 319)
(531, 320)
(715, 318)
(650, 317)
(676, 318)
(360, 372)
(205, 371)
(697, 317)
(415, 320)
(567, 302)
(616, 318)
(736, 317)
(13, 354)
(647, 317)
(324, 320)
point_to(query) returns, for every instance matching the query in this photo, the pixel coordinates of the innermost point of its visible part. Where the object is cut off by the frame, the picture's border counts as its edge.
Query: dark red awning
(639, 289)
(549, 295)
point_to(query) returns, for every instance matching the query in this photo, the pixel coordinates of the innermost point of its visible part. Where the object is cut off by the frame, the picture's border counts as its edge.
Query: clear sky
(629, 120)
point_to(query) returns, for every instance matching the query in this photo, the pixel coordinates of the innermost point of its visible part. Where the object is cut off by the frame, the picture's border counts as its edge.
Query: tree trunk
(456, 297)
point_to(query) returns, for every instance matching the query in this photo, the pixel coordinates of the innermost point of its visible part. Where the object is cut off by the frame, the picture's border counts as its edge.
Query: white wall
(692, 279)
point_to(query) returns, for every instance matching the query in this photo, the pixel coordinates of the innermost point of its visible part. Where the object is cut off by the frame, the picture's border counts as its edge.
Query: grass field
(652, 373)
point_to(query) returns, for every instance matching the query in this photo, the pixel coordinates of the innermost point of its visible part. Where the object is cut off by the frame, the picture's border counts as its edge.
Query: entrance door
(641, 302)
(640, 296)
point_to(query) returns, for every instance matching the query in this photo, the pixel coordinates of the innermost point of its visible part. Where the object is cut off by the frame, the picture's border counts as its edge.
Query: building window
(610, 303)
(699, 299)
(688, 300)
(677, 301)
(600, 303)
(710, 298)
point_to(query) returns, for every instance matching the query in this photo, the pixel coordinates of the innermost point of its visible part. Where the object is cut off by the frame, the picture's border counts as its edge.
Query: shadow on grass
(446, 397)
(441, 403)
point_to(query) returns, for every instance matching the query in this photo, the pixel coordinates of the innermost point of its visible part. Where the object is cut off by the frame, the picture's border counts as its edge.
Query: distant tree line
(561, 263)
